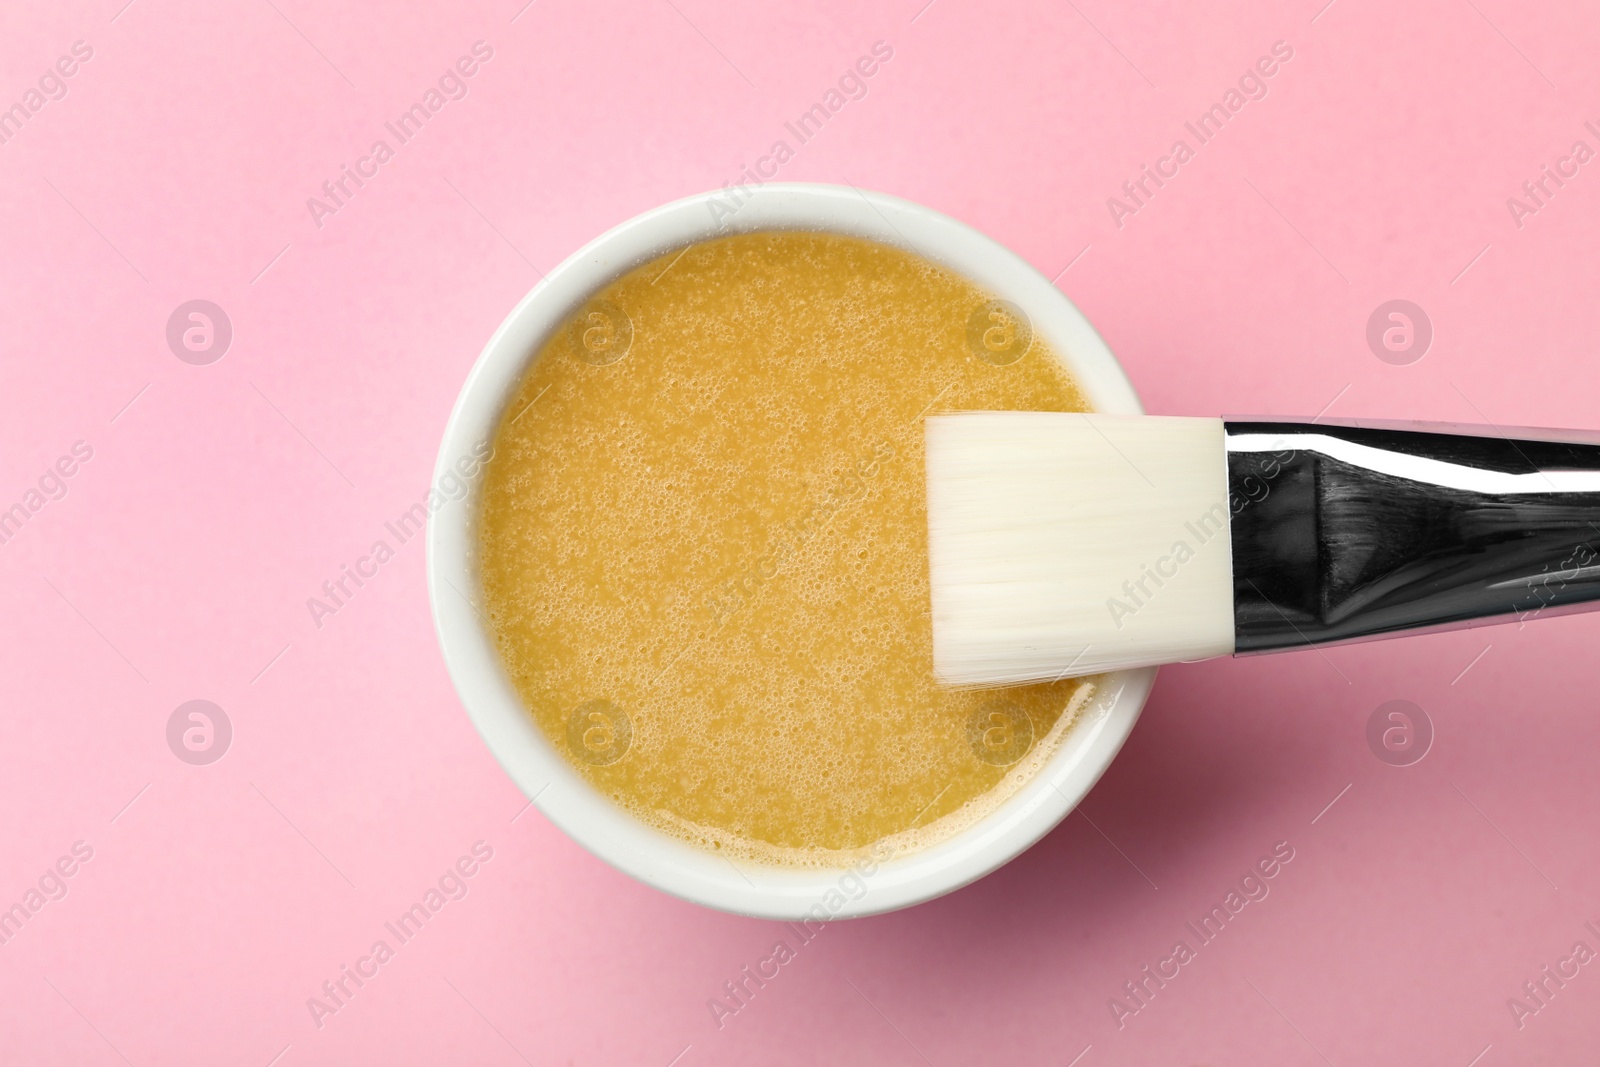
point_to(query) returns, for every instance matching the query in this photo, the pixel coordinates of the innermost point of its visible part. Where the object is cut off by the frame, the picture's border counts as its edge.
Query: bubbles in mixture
(703, 550)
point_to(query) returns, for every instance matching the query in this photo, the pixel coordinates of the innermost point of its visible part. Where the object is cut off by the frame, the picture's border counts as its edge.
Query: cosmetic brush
(1065, 544)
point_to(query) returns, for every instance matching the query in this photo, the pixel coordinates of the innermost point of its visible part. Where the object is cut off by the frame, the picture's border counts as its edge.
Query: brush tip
(1063, 544)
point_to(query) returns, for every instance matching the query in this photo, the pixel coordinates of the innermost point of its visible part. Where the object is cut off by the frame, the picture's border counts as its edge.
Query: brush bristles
(1063, 544)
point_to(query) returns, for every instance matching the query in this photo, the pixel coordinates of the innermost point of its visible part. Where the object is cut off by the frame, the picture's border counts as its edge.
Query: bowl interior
(510, 732)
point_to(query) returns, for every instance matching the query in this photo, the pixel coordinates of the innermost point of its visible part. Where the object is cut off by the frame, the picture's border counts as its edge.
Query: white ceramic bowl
(539, 770)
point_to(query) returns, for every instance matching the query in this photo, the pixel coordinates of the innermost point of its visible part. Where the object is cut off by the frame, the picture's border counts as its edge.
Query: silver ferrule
(1348, 530)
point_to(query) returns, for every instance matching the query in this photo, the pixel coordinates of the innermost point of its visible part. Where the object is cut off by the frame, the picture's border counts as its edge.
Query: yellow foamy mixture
(703, 549)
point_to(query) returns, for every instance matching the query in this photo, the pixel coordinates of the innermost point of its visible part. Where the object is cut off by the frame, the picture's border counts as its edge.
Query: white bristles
(1064, 544)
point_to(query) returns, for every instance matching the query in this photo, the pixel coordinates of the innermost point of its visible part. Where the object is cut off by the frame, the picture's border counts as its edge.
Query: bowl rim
(551, 784)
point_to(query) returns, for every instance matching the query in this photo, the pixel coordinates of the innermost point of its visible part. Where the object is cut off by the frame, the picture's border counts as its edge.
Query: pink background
(178, 564)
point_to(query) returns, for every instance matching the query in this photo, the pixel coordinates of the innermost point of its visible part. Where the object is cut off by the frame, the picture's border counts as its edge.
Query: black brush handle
(1343, 531)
